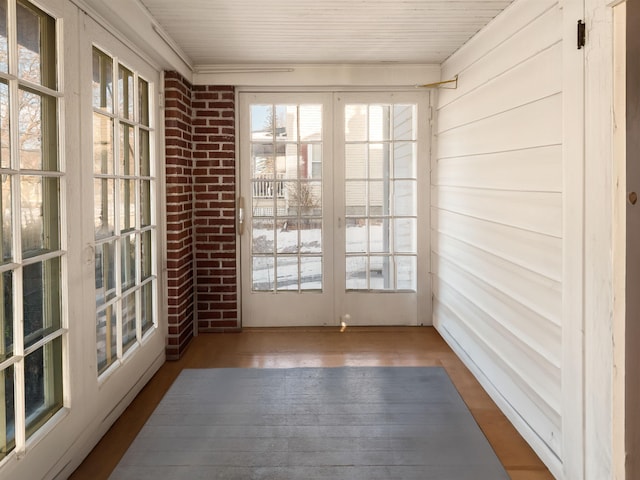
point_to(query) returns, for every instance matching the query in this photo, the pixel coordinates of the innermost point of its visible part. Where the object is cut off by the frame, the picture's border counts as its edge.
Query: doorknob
(633, 198)
(240, 215)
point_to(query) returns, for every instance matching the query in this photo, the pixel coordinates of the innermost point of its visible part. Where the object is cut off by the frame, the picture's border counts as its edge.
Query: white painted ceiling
(243, 32)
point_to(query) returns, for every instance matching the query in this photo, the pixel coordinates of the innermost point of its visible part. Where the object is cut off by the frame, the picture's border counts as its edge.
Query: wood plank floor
(319, 347)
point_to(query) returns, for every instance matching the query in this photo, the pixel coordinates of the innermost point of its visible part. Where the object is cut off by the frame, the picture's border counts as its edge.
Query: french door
(333, 209)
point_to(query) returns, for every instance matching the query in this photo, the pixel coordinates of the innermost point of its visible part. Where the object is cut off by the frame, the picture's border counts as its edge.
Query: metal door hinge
(582, 34)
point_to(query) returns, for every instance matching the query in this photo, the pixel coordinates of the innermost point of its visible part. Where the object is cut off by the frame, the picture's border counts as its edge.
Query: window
(125, 228)
(32, 258)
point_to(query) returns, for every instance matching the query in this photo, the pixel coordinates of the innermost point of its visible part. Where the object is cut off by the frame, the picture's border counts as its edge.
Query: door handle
(240, 207)
(633, 198)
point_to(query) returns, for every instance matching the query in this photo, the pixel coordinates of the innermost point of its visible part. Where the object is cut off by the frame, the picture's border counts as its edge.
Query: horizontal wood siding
(497, 213)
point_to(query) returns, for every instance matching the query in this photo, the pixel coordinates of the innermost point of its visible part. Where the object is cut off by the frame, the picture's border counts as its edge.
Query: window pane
(5, 216)
(145, 160)
(125, 87)
(146, 258)
(379, 160)
(104, 207)
(128, 261)
(146, 307)
(145, 203)
(102, 81)
(41, 299)
(5, 159)
(127, 205)
(106, 336)
(39, 212)
(6, 319)
(36, 45)
(143, 101)
(7, 412)
(103, 158)
(37, 131)
(43, 384)
(105, 273)
(128, 320)
(127, 165)
(4, 50)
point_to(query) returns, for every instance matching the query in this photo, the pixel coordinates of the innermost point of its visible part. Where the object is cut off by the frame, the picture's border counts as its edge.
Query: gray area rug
(361, 423)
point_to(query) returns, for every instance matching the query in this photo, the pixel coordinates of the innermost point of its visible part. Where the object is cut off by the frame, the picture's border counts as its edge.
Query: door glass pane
(381, 205)
(127, 205)
(356, 232)
(404, 122)
(311, 273)
(311, 123)
(286, 196)
(262, 232)
(310, 235)
(145, 203)
(263, 274)
(356, 272)
(287, 268)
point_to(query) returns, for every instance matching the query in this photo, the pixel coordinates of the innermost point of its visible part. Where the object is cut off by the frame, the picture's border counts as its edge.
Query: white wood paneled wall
(497, 213)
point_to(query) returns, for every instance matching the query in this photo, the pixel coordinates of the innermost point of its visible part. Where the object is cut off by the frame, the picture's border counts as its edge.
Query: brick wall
(214, 210)
(179, 180)
(201, 239)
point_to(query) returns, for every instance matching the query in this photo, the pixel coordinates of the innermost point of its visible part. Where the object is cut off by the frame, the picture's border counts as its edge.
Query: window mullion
(115, 97)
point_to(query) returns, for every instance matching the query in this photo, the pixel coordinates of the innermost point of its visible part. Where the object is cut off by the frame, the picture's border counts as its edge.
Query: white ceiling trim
(305, 75)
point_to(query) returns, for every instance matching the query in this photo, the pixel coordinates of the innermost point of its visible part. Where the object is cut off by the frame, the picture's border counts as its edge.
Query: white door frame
(423, 303)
